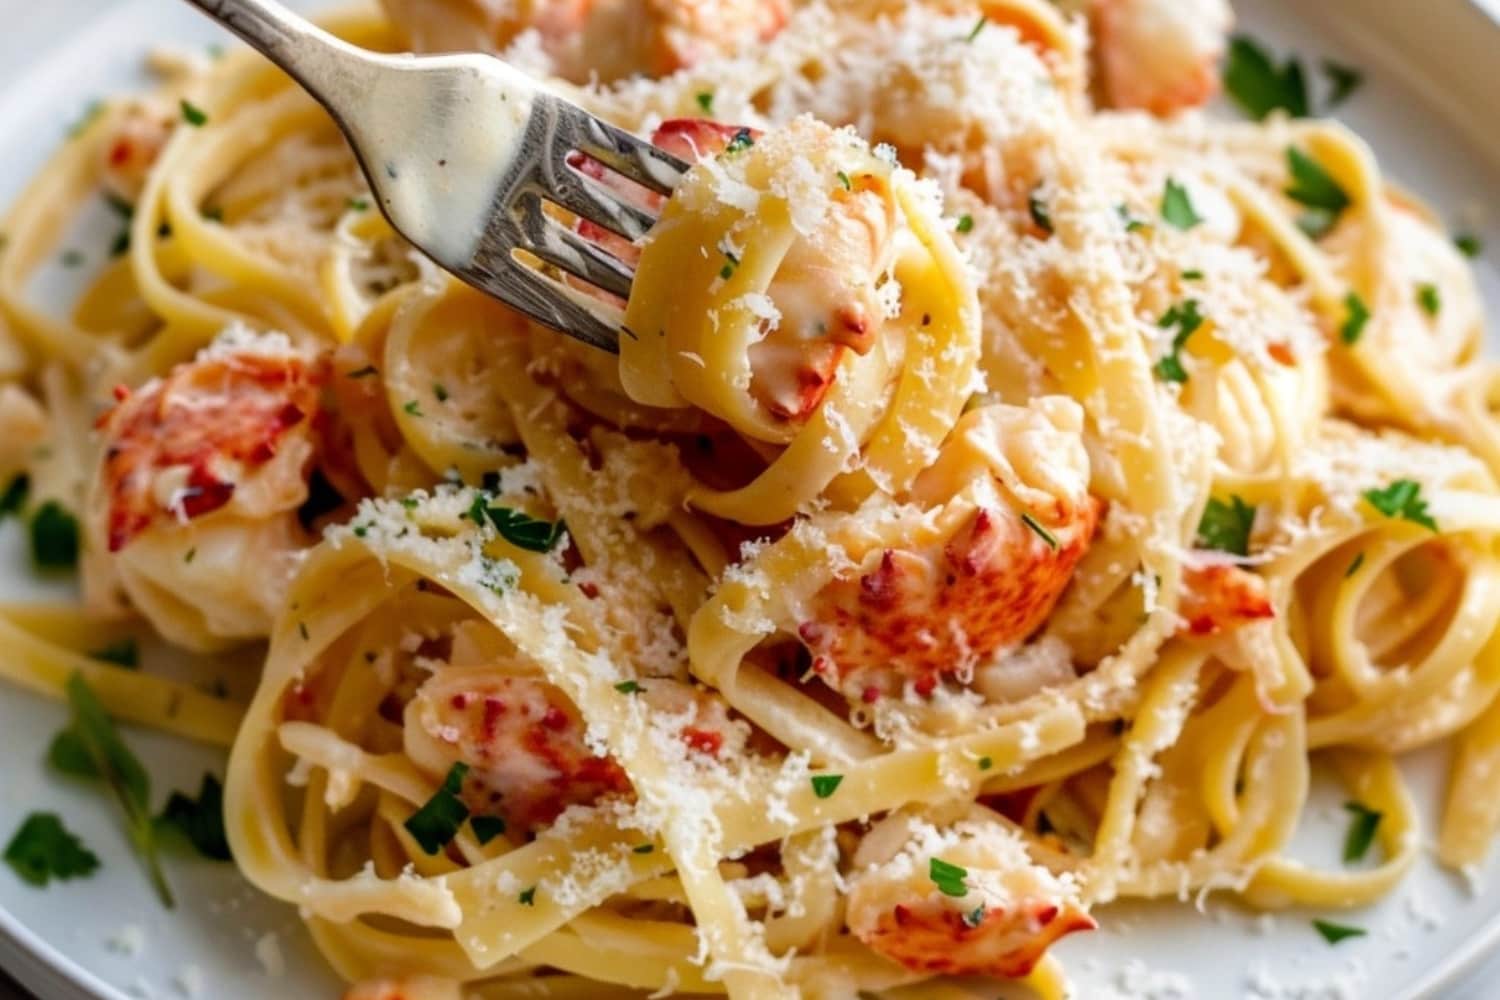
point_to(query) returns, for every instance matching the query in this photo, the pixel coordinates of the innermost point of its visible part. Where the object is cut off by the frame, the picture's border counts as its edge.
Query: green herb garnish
(1315, 188)
(1402, 499)
(824, 785)
(706, 101)
(43, 849)
(949, 878)
(1356, 315)
(1187, 319)
(124, 653)
(192, 114)
(1259, 86)
(1362, 827)
(486, 828)
(1225, 527)
(201, 820)
(54, 537)
(1334, 933)
(91, 747)
(965, 223)
(1177, 206)
(437, 822)
(1040, 530)
(1039, 214)
(1429, 299)
(1344, 80)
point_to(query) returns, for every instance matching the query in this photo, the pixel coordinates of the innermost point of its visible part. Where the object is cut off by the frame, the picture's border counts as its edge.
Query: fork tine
(629, 156)
(588, 199)
(554, 243)
(552, 305)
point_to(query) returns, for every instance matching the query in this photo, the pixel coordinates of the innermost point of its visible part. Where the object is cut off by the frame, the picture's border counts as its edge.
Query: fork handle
(329, 68)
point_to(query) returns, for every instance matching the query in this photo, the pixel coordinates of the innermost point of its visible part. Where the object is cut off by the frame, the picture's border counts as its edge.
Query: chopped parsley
(121, 245)
(985, 763)
(824, 785)
(414, 408)
(1187, 319)
(91, 748)
(54, 537)
(844, 180)
(629, 687)
(1254, 81)
(192, 553)
(358, 205)
(1362, 826)
(519, 528)
(643, 849)
(1314, 188)
(1040, 530)
(192, 114)
(974, 917)
(527, 897)
(124, 653)
(1468, 244)
(1192, 275)
(14, 497)
(742, 141)
(437, 822)
(1428, 299)
(1402, 499)
(949, 878)
(706, 101)
(201, 820)
(1342, 80)
(1130, 223)
(730, 263)
(1354, 565)
(965, 223)
(1356, 315)
(43, 849)
(1039, 214)
(1177, 206)
(1334, 933)
(978, 27)
(1225, 527)
(440, 392)
(486, 828)
(302, 626)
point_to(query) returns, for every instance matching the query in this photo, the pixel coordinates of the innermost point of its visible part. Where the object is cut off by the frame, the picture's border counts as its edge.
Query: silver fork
(463, 152)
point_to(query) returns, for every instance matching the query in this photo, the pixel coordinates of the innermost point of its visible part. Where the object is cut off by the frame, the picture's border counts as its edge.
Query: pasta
(1002, 497)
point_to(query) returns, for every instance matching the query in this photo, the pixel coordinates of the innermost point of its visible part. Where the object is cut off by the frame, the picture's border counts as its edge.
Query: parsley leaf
(486, 828)
(1361, 833)
(54, 537)
(1334, 933)
(1177, 207)
(43, 849)
(1226, 526)
(1344, 80)
(706, 101)
(977, 29)
(192, 114)
(201, 819)
(1468, 244)
(124, 653)
(92, 737)
(524, 531)
(1356, 315)
(743, 140)
(1315, 188)
(824, 785)
(1259, 86)
(1039, 214)
(527, 897)
(844, 181)
(1040, 530)
(1428, 299)
(985, 763)
(1187, 319)
(965, 223)
(437, 822)
(949, 878)
(14, 497)
(358, 205)
(1354, 565)
(1402, 499)
(413, 407)
(974, 917)
(643, 849)
(629, 687)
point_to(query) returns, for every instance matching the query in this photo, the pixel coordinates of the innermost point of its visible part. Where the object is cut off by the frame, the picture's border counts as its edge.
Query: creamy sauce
(440, 136)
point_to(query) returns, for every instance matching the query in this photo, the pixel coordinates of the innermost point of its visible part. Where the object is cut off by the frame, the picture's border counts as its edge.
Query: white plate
(1428, 107)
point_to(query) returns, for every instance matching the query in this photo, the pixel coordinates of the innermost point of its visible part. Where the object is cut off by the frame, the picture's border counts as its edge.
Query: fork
(464, 153)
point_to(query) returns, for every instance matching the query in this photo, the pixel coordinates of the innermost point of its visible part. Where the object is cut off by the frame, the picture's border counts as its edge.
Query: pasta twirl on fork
(1001, 499)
